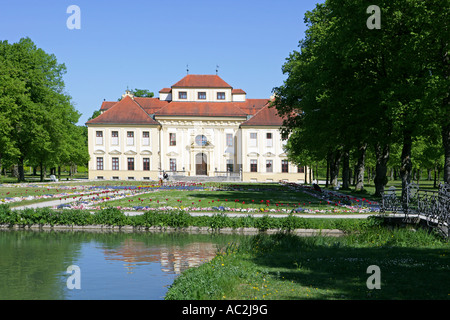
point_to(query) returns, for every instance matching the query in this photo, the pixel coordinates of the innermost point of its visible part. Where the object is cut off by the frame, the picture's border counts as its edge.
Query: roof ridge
(139, 105)
(116, 107)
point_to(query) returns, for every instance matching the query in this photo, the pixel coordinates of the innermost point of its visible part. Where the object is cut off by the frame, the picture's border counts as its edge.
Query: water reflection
(113, 265)
(173, 259)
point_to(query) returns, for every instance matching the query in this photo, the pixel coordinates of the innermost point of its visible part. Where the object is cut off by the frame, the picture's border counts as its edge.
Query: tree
(38, 113)
(351, 88)
(142, 93)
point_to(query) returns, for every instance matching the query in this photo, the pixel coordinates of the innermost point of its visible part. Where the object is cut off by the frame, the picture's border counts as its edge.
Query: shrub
(178, 219)
(219, 221)
(7, 216)
(111, 216)
(266, 223)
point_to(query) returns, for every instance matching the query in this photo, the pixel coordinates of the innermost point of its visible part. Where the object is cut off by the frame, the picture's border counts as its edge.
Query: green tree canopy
(37, 116)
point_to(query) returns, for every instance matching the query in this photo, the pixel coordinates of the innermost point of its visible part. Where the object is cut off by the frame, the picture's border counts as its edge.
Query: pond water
(108, 265)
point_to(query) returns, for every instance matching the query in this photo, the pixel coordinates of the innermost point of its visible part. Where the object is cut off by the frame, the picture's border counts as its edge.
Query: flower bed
(294, 198)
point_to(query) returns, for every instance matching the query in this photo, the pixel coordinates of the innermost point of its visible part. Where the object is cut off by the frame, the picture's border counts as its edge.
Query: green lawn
(235, 196)
(412, 265)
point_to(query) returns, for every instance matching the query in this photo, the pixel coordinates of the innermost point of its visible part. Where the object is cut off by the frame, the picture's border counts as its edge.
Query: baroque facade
(200, 126)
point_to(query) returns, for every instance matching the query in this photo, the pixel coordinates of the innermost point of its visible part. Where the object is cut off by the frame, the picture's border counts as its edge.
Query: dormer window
(182, 95)
(220, 95)
(202, 95)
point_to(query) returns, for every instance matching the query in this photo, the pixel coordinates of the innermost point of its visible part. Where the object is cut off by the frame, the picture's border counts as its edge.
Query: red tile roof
(252, 106)
(165, 90)
(237, 91)
(107, 104)
(202, 109)
(151, 105)
(138, 110)
(126, 111)
(267, 116)
(201, 81)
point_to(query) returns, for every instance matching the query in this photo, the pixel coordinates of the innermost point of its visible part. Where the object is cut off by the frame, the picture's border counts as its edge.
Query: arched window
(201, 140)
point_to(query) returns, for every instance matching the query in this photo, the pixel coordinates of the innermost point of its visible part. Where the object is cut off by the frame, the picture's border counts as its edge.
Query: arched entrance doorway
(201, 164)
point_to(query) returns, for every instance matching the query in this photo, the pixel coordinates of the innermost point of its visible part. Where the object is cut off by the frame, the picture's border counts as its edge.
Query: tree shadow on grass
(339, 271)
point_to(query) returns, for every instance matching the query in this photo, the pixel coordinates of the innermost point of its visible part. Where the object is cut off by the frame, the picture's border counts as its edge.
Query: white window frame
(99, 137)
(145, 140)
(114, 140)
(130, 138)
(253, 141)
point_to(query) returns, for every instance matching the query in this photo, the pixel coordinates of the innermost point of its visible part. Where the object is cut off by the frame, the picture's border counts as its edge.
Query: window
(202, 95)
(146, 165)
(284, 166)
(269, 141)
(99, 137)
(99, 163)
(145, 138)
(172, 139)
(130, 164)
(300, 169)
(269, 166)
(253, 166)
(115, 138)
(182, 95)
(229, 140)
(201, 140)
(220, 95)
(130, 138)
(173, 164)
(229, 165)
(253, 139)
(115, 163)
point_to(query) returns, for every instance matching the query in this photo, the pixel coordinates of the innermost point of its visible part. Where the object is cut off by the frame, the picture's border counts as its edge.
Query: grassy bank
(413, 265)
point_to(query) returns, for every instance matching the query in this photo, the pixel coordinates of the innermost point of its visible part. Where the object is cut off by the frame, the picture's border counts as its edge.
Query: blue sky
(147, 44)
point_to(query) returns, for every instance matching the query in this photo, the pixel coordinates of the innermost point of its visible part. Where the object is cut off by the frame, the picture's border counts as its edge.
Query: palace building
(199, 127)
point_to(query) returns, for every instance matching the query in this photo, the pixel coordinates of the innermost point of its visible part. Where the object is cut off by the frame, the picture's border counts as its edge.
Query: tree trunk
(334, 167)
(21, 176)
(360, 168)
(382, 158)
(42, 172)
(406, 166)
(316, 175)
(328, 170)
(346, 170)
(435, 176)
(446, 112)
(446, 143)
